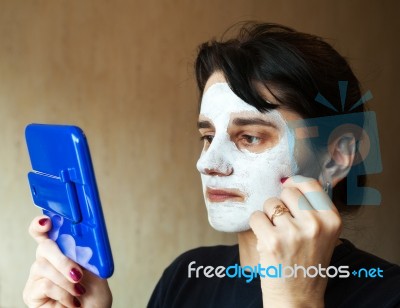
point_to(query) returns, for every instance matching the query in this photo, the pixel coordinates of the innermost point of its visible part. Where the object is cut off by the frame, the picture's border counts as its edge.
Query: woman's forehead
(218, 77)
(221, 108)
(220, 99)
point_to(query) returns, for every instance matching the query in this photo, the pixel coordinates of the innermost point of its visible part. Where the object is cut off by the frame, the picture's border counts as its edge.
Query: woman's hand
(304, 236)
(57, 281)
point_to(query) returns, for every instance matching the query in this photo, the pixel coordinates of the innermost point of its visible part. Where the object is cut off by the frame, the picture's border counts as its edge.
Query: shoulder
(371, 280)
(348, 254)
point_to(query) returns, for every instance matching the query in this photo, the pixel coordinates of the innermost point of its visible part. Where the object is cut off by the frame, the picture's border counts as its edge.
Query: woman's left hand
(305, 236)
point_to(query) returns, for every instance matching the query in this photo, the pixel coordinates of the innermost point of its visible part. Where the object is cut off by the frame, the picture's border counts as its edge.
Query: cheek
(273, 161)
(260, 174)
(261, 169)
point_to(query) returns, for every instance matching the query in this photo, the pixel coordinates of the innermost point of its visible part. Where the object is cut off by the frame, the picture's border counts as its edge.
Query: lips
(222, 195)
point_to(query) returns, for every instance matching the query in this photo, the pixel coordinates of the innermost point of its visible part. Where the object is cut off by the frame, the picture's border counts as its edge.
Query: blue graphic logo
(363, 125)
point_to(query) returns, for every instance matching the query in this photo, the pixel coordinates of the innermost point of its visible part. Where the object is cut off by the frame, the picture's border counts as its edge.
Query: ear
(339, 159)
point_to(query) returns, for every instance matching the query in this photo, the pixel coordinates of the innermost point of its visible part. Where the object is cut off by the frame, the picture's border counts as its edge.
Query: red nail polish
(283, 180)
(77, 303)
(43, 221)
(80, 289)
(75, 274)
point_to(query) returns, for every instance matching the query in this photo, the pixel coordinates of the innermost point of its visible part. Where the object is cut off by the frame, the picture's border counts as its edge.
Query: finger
(49, 250)
(315, 196)
(295, 201)
(39, 227)
(312, 190)
(95, 285)
(271, 208)
(42, 291)
(42, 268)
(52, 304)
(260, 224)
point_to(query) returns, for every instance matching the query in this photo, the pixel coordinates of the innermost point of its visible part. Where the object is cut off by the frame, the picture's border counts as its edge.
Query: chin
(229, 227)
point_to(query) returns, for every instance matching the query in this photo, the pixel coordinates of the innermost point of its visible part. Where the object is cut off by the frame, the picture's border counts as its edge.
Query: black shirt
(176, 289)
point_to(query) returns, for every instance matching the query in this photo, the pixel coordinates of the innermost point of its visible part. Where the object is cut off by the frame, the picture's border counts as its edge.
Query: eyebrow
(253, 121)
(204, 124)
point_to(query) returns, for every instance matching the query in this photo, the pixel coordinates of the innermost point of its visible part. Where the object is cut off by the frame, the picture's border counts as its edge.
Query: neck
(248, 248)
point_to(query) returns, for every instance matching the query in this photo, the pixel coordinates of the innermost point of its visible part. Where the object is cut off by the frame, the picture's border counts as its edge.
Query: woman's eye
(207, 138)
(251, 139)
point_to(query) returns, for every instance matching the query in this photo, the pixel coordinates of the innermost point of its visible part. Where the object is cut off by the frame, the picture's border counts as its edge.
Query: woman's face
(245, 155)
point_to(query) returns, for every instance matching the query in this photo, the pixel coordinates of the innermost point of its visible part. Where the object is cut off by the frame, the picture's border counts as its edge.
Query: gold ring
(278, 211)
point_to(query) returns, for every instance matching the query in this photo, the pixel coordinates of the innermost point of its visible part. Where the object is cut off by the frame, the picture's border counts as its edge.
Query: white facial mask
(256, 175)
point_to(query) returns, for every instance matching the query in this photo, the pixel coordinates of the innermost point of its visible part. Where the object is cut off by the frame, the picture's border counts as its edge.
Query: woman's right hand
(57, 281)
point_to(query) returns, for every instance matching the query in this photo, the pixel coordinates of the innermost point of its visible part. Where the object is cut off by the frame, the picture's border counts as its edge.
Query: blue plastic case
(63, 185)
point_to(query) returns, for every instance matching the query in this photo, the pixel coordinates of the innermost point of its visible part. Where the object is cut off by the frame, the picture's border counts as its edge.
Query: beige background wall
(122, 70)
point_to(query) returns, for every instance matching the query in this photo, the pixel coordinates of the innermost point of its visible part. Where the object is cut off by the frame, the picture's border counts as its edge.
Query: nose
(215, 160)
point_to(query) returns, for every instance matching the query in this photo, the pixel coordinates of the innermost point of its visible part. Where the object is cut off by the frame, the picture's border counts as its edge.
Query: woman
(264, 177)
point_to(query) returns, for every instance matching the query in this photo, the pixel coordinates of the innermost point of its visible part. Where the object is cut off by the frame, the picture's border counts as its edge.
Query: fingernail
(75, 274)
(80, 289)
(283, 180)
(43, 221)
(77, 303)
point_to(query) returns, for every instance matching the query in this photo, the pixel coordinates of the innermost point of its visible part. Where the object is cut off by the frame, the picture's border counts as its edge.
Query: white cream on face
(256, 175)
